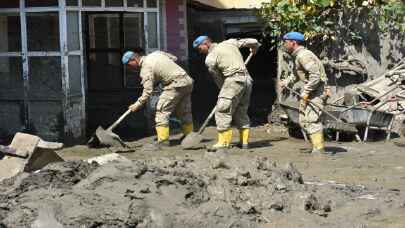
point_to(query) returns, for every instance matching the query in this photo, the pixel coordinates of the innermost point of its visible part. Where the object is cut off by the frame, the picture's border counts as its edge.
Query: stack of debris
(384, 98)
(376, 104)
(27, 153)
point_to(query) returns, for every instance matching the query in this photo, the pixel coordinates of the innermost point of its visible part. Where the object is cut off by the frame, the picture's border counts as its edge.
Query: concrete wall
(378, 50)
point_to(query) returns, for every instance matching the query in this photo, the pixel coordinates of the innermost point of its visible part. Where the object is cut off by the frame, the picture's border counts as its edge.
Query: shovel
(192, 140)
(339, 125)
(107, 137)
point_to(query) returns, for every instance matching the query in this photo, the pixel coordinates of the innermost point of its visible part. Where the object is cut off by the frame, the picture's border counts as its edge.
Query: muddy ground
(274, 184)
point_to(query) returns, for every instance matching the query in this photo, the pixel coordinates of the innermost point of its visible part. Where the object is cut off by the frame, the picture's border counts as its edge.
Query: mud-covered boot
(186, 129)
(244, 138)
(162, 133)
(318, 143)
(224, 141)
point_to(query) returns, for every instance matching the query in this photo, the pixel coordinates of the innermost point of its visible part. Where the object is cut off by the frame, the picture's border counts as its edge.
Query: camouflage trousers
(177, 101)
(310, 116)
(233, 103)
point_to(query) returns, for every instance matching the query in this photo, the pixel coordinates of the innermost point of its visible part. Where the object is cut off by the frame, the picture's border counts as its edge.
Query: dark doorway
(262, 68)
(111, 87)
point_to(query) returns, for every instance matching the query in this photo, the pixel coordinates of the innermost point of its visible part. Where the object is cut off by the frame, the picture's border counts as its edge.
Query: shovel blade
(40, 158)
(108, 138)
(192, 141)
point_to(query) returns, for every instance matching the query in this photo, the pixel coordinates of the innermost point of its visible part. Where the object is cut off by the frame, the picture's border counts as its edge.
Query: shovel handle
(202, 128)
(314, 104)
(248, 58)
(119, 120)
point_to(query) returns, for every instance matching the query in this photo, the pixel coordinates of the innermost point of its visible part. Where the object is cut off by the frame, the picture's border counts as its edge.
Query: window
(72, 2)
(11, 83)
(91, 2)
(10, 32)
(43, 31)
(73, 36)
(133, 30)
(45, 77)
(41, 3)
(114, 3)
(104, 31)
(151, 3)
(9, 4)
(152, 30)
(109, 36)
(75, 83)
(135, 3)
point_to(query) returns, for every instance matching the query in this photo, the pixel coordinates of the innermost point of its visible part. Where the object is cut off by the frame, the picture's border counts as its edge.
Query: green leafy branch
(322, 18)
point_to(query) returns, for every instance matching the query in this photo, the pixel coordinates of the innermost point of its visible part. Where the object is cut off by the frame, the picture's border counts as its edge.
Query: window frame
(64, 53)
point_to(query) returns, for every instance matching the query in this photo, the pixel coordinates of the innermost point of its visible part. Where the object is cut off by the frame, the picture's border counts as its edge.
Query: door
(110, 86)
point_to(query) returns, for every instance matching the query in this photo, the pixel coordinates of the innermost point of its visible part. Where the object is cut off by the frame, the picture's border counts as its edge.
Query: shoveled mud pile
(214, 190)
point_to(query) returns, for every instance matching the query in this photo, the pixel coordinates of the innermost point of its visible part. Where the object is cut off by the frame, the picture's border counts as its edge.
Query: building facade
(60, 68)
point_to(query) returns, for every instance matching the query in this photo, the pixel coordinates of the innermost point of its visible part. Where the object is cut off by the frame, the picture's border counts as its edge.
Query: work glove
(134, 107)
(327, 92)
(254, 50)
(304, 101)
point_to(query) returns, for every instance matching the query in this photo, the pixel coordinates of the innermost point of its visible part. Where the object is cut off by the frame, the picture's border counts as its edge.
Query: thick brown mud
(192, 190)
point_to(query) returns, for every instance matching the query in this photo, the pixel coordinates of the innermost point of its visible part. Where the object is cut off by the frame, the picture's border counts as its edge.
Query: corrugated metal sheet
(233, 4)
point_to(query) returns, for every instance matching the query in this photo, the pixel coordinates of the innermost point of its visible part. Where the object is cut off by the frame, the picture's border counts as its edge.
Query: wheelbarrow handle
(328, 113)
(119, 120)
(314, 104)
(372, 101)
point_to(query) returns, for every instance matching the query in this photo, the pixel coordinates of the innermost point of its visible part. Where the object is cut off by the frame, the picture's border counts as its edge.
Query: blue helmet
(294, 36)
(127, 56)
(197, 42)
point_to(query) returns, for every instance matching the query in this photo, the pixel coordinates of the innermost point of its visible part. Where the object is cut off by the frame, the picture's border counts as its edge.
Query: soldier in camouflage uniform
(160, 67)
(225, 64)
(309, 69)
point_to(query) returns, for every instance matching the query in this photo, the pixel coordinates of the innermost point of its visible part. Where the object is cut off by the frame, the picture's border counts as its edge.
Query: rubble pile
(385, 94)
(215, 190)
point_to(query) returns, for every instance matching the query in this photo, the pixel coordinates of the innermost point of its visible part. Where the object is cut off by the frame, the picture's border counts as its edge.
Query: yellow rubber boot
(244, 138)
(318, 142)
(163, 133)
(228, 138)
(224, 140)
(187, 128)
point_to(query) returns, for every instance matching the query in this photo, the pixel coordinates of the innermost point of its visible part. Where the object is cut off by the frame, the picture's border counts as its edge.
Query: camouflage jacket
(224, 59)
(309, 69)
(159, 67)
